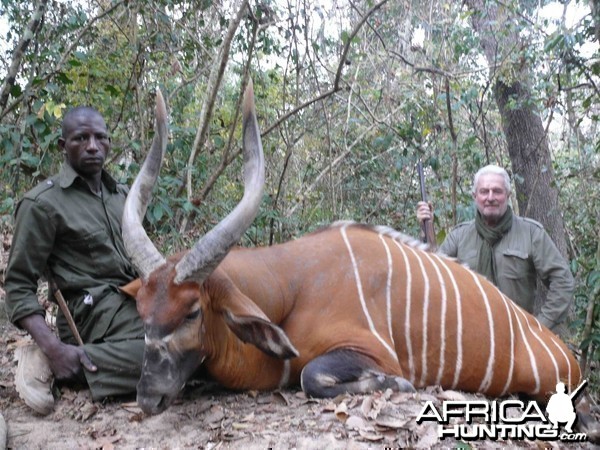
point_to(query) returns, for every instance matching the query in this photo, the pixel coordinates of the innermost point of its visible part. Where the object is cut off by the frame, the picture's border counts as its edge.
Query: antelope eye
(193, 315)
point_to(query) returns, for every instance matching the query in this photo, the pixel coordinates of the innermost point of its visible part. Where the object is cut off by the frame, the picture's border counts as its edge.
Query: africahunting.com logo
(508, 419)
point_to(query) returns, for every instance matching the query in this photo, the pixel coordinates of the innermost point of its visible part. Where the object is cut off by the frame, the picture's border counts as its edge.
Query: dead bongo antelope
(350, 308)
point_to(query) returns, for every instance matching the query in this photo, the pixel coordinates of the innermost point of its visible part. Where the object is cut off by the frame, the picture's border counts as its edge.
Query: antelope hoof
(404, 385)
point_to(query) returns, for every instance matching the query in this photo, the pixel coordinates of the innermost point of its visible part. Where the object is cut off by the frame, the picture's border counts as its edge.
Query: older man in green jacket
(70, 225)
(510, 251)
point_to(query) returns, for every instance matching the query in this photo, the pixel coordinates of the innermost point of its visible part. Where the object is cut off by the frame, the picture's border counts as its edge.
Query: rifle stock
(427, 225)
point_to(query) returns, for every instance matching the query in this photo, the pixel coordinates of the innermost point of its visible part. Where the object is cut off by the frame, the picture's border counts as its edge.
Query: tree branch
(75, 42)
(338, 75)
(214, 82)
(332, 165)
(19, 52)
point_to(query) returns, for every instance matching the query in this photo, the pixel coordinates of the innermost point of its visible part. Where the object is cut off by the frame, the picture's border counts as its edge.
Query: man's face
(86, 143)
(491, 197)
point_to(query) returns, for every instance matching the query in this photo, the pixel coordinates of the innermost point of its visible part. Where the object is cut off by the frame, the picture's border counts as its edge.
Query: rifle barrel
(422, 181)
(427, 224)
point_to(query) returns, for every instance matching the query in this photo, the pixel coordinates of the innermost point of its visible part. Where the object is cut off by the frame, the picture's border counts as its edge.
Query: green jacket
(525, 253)
(63, 225)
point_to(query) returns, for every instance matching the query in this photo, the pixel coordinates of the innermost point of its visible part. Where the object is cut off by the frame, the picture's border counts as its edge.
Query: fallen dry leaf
(87, 411)
(425, 397)
(402, 397)
(356, 423)
(215, 414)
(280, 398)
(353, 401)
(138, 417)
(341, 411)
(451, 395)
(105, 438)
(428, 437)
(366, 405)
(370, 435)
(377, 403)
(249, 417)
(132, 407)
(129, 405)
(412, 409)
(329, 407)
(391, 422)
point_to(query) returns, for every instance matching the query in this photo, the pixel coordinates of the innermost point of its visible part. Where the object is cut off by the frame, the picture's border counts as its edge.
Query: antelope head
(172, 294)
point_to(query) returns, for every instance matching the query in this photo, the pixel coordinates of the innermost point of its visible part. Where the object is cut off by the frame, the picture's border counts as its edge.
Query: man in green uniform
(70, 225)
(510, 251)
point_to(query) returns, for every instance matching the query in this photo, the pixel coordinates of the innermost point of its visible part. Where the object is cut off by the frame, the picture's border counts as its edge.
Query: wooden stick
(63, 306)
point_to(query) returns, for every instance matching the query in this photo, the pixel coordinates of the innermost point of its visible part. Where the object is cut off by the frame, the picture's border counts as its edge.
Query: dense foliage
(349, 99)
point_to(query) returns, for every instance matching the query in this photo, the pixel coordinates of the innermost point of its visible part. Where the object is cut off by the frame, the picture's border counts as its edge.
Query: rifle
(53, 287)
(427, 225)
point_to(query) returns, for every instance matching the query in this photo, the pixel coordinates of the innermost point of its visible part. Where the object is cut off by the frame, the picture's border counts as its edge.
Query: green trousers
(115, 345)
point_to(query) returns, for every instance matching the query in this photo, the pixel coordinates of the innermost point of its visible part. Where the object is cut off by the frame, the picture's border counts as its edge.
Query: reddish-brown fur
(308, 287)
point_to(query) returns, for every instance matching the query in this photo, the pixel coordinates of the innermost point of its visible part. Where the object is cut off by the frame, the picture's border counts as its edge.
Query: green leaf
(157, 212)
(112, 90)
(218, 142)
(593, 279)
(7, 205)
(16, 91)
(64, 78)
(554, 41)
(345, 36)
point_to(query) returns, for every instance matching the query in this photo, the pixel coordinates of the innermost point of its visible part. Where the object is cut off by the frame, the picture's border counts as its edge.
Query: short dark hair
(76, 111)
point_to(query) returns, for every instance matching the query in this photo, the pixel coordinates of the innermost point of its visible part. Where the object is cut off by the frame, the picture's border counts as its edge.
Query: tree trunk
(527, 144)
(595, 6)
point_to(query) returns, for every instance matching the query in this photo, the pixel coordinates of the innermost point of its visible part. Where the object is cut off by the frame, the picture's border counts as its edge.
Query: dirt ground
(207, 417)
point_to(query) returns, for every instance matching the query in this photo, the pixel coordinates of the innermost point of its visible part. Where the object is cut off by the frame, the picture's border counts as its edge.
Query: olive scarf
(486, 265)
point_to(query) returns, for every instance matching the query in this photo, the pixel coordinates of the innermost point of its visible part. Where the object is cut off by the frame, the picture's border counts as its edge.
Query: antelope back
(449, 325)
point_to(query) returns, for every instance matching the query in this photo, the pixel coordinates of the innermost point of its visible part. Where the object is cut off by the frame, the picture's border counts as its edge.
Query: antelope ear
(131, 289)
(263, 334)
(247, 321)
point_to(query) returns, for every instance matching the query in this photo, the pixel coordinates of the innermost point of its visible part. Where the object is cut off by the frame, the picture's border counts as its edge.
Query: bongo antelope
(350, 308)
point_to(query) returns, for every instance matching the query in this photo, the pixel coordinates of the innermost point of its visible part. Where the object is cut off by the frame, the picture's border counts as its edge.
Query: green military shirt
(523, 254)
(63, 225)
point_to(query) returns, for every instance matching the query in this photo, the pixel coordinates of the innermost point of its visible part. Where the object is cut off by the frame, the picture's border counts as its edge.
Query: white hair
(492, 168)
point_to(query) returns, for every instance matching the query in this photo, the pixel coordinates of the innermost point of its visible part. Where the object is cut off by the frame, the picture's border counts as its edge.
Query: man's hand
(424, 211)
(66, 361)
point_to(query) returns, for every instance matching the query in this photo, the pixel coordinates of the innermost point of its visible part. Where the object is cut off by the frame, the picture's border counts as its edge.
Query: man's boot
(33, 379)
